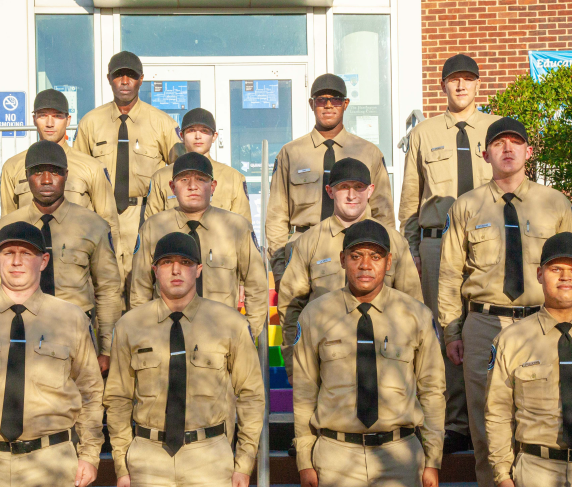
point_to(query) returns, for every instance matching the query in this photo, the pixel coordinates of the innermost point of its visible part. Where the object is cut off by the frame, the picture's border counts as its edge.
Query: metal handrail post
(264, 445)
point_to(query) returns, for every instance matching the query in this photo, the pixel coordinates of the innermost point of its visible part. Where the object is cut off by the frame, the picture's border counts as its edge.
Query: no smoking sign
(13, 111)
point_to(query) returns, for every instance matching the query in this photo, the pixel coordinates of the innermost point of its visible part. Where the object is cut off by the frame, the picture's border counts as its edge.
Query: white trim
(396, 160)
(97, 56)
(380, 9)
(330, 40)
(116, 30)
(32, 81)
(222, 60)
(210, 11)
(64, 10)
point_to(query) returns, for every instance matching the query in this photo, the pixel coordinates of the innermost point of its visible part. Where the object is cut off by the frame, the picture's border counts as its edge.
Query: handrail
(413, 119)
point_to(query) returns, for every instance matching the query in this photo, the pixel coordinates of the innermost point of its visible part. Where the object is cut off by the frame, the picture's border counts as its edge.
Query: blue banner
(543, 61)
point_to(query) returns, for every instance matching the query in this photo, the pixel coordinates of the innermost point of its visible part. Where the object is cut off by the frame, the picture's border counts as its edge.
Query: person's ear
(172, 186)
(343, 259)
(389, 260)
(539, 275)
(45, 260)
(311, 103)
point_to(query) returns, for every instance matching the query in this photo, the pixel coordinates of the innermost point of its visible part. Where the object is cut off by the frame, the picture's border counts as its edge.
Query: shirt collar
(336, 225)
(59, 214)
(546, 320)
(115, 113)
(451, 121)
(319, 139)
(519, 192)
(32, 304)
(190, 310)
(182, 219)
(352, 303)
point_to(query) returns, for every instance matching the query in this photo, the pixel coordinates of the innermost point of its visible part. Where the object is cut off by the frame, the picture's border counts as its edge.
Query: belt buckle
(20, 447)
(569, 455)
(366, 435)
(520, 310)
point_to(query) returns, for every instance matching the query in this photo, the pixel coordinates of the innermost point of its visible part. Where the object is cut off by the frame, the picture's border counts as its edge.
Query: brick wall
(497, 33)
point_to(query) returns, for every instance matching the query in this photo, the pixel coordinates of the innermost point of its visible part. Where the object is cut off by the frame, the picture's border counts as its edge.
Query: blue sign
(12, 111)
(543, 61)
(170, 95)
(260, 94)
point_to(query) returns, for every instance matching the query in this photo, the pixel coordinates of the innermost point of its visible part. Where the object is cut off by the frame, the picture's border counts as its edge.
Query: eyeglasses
(322, 101)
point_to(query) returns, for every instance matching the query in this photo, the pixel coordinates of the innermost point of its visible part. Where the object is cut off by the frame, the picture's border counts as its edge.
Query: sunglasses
(322, 101)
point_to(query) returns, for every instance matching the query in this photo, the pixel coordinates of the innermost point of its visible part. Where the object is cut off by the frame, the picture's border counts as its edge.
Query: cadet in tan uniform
(367, 371)
(50, 378)
(133, 140)
(444, 161)
(495, 237)
(314, 268)
(298, 197)
(173, 357)
(530, 373)
(87, 184)
(199, 133)
(79, 243)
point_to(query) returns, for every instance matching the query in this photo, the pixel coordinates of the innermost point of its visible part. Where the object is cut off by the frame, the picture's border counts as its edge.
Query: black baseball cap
(505, 125)
(559, 245)
(367, 231)
(23, 232)
(46, 152)
(176, 243)
(51, 99)
(198, 116)
(349, 169)
(458, 63)
(125, 60)
(328, 82)
(193, 161)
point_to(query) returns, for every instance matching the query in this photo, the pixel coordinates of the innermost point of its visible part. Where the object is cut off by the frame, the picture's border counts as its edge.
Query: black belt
(133, 201)
(301, 229)
(19, 447)
(373, 439)
(190, 436)
(563, 455)
(511, 312)
(431, 233)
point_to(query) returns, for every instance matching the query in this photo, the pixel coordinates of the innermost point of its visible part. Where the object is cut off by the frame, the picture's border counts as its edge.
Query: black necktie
(47, 283)
(464, 163)
(565, 359)
(122, 167)
(13, 409)
(177, 395)
(367, 396)
(329, 161)
(193, 224)
(513, 268)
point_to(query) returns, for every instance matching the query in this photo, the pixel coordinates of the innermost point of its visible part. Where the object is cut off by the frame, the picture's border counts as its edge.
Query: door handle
(220, 139)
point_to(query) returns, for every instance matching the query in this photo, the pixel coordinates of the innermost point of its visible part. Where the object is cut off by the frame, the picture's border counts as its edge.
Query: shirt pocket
(147, 370)
(438, 164)
(534, 388)
(305, 188)
(146, 162)
(103, 150)
(484, 246)
(75, 257)
(325, 275)
(335, 368)
(396, 368)
(23, 194)
(535, 236)
(76, 192)
(206, 378)
(222, 276)
(51, 365)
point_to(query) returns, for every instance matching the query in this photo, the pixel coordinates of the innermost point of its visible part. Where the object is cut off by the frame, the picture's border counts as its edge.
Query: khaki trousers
(456, 417)
(479, 331)
(207, 463)
(48, 467)
(531, 471)
(129, 222)
(396, 464)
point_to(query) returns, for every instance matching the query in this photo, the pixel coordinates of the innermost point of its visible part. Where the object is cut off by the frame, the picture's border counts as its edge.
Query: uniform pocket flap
(209, 360)
(76, 185)
(304, 177)
(103, 150)
(147, 360)
(320, 268)
(53, 350)
(483, 234)
(438, 155)
(22, 188)
(151, 152)
(333, 350)
(397, 352)
(539, 232)
(78, 257)
(224, 261)
(534, 372)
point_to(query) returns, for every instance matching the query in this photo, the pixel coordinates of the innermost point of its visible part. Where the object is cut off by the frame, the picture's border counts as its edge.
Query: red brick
(447, 17)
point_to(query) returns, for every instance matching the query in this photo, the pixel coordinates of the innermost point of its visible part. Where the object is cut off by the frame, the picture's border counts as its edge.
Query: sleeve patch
(436, 331)
(178, 132)
(107, 174)
(447, 224)
(275, 166)
(251, 335)
(492, 358)
(255, 240)
(289, 257)
(110, 237)
(298, 333)
(75, 134)
(93, 339)
(137, 245)
(245, 190)
(150, 184)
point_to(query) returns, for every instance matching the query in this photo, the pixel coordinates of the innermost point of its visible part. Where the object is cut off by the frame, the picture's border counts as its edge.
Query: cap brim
(51, 108)
(126, 67)
(196, 170)
(43, 251)
(170, 254)
(367, 240)
(197, 123)
(462, 71)
(504, 132)
(345, 180)
(46, 163)
(558, 256)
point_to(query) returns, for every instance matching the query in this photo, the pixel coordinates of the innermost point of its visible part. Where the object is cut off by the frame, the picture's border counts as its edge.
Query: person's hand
(455, 352)
(291, 380)
(308, 477)
(103, 361)
(430, 477)
(86, 474)
(417, 261)
(124, 481)
(277, 286)
(241, 294)
(239, 480)
(507, 483)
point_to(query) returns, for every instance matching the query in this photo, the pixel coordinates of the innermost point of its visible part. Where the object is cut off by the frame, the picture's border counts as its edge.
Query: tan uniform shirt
(296, 189)
(81, 250)
(314, 269)
(524, 386)
(153, 136)
(63, 383)
(475, 244)
(430, 179)
(410, 371)
(217, 343)
(229, 253)
(87, 185)
(230, 194)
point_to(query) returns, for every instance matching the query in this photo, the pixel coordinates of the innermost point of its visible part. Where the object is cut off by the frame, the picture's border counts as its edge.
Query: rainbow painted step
(281, 401)
(275, 357)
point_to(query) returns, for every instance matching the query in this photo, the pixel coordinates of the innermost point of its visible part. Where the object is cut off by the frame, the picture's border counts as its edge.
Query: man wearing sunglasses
(298, 196)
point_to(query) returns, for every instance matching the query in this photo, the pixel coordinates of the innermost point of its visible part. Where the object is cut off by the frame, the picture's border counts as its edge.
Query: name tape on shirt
(300, 171)
(323, 261)
(437, 148)
(483, 225)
